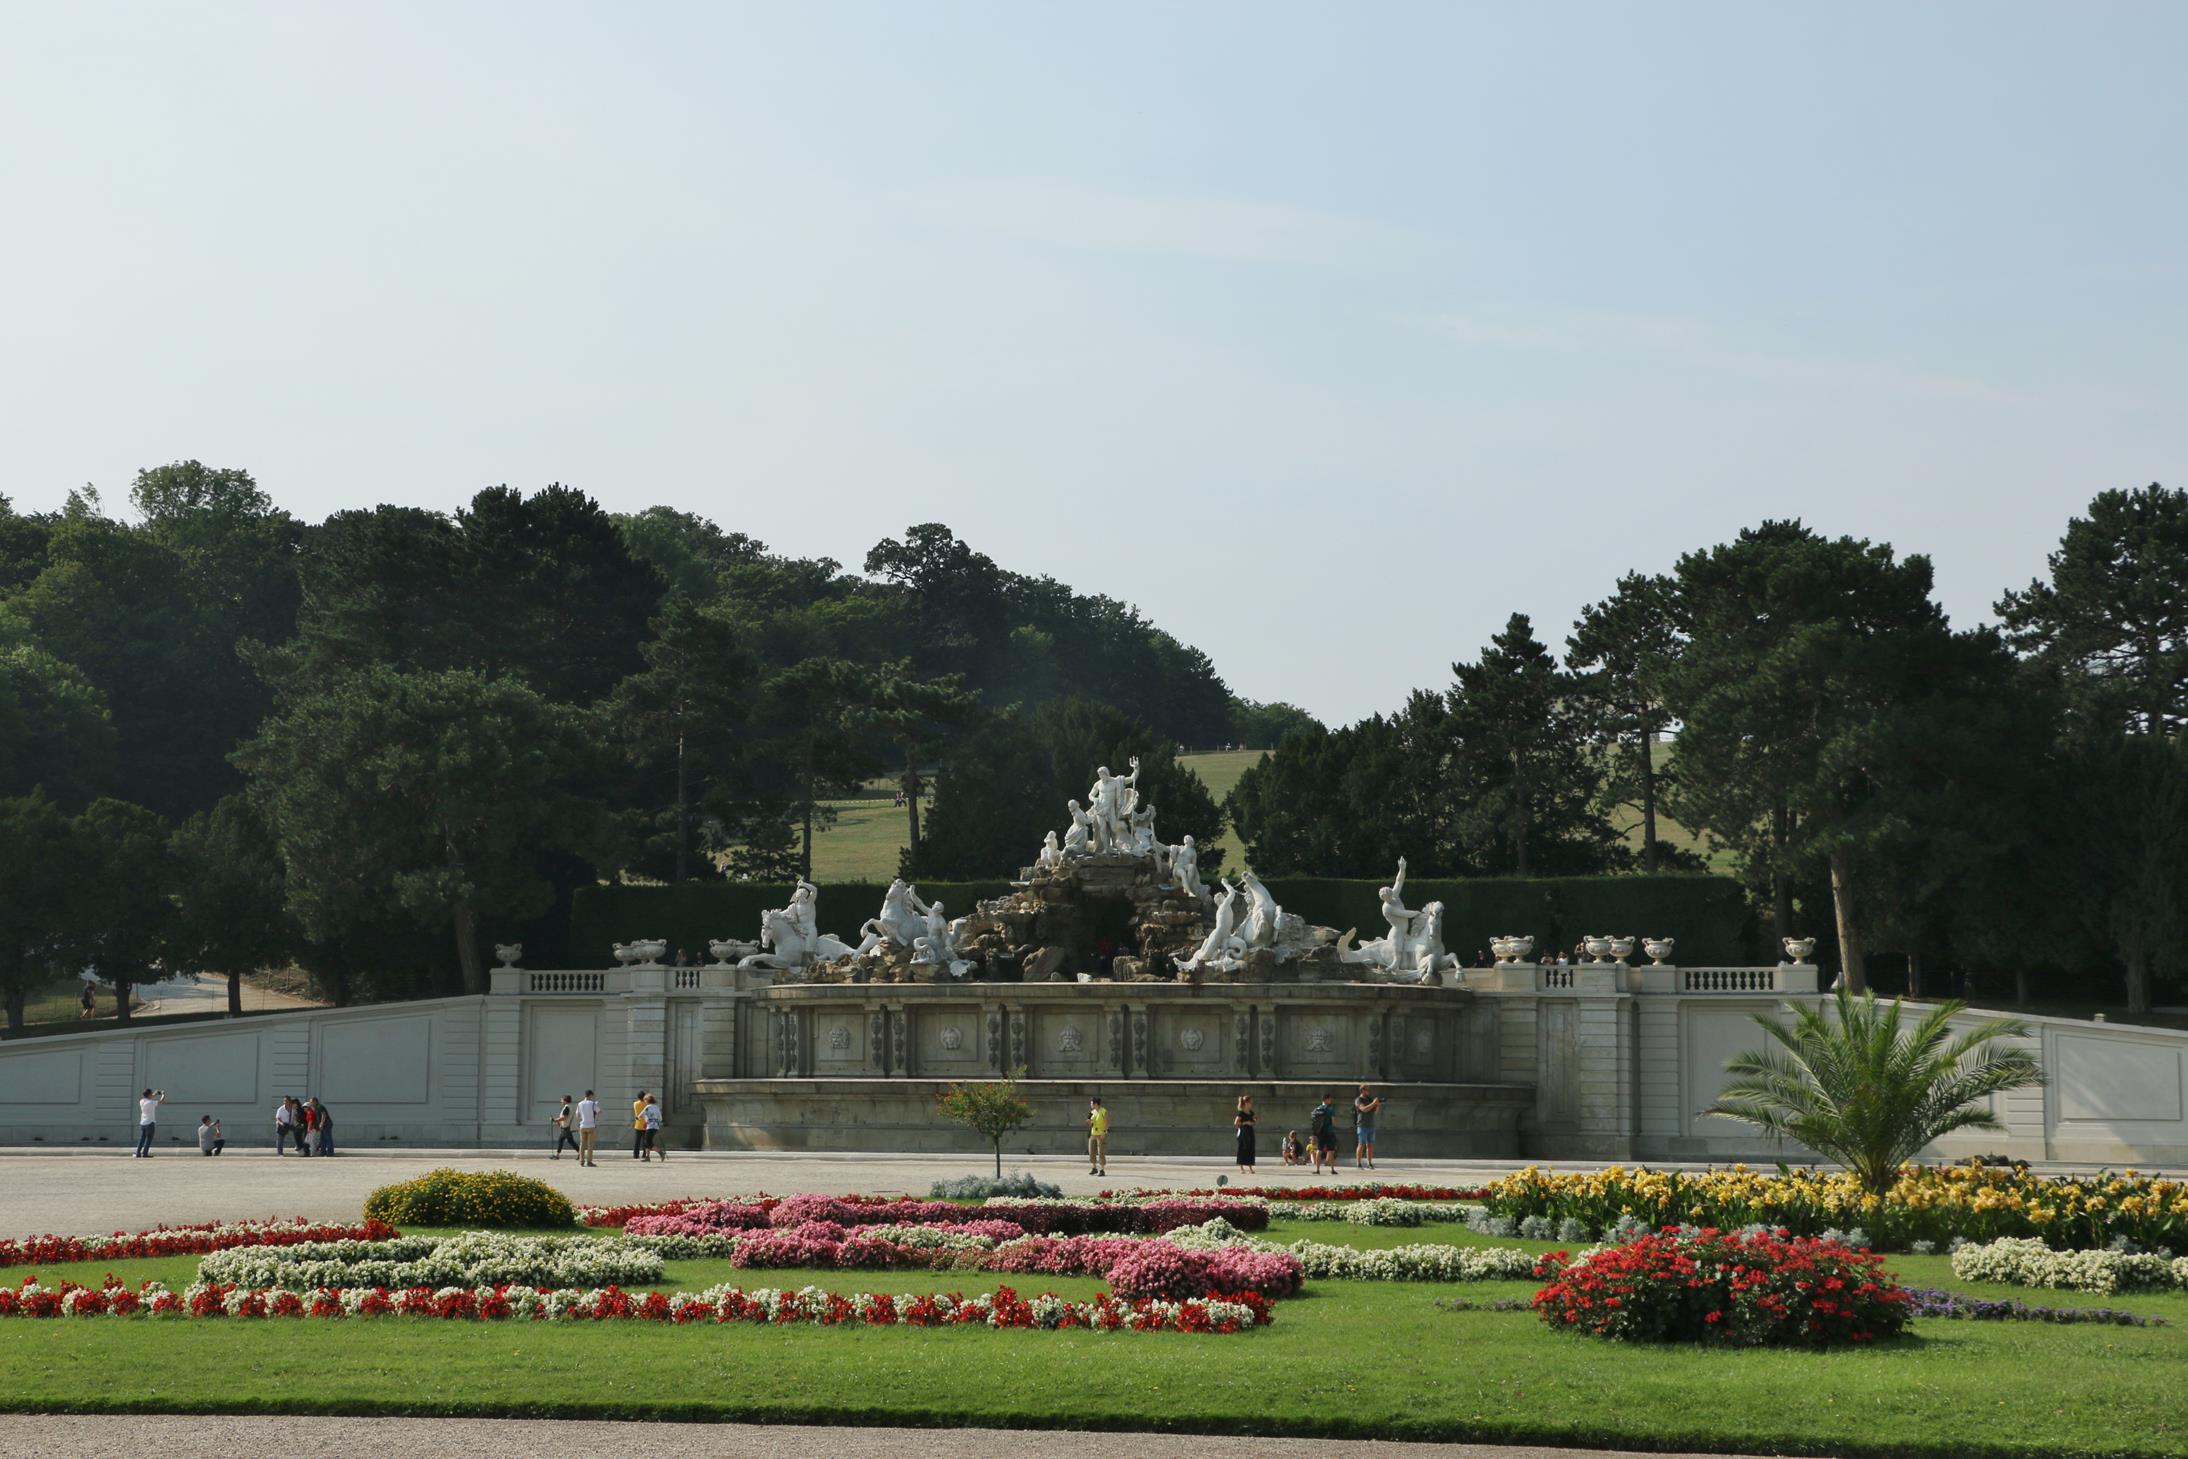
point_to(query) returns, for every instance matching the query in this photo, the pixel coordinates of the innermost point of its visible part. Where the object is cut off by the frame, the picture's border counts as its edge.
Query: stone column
(1242, 1039)
(997, 1052)
(1265, 1021)
(877, 1041)
(1137, 1048)
(898, 1019)
(1117, 1058)
(1018, 1054)
(646, 1029)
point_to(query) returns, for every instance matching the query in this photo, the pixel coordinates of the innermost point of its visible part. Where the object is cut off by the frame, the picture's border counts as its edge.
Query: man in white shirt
(148, 1115)
(282, 1121)
(588, 1127)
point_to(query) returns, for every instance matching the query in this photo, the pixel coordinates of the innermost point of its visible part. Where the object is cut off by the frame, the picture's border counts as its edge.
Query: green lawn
(870, 833)
(1346, 1358)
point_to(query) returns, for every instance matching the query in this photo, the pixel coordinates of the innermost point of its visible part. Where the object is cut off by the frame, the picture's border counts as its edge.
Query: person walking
(1097, 1137)
(322, 1122)
(87, 1006)
(300, 1125)
(209, 1140)
(651, 1115)
(1243, 1122)
(564, 1118)
(283, 1117)
(148, 1118)
(1322, 1132)
(1366, 1105)
(638, 1126)
(588, 1127)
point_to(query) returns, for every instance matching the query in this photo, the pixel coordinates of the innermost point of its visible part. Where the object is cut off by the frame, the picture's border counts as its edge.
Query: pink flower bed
(1144, 1268)
(710, 1218)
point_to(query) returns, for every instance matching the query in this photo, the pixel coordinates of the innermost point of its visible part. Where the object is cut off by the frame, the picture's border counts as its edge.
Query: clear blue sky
(1328, 335)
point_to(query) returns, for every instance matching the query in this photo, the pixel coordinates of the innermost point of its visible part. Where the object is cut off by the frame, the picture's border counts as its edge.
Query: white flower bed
(474, 1259)
(2027, 1262)
(1377, 1211)
(1422, 1262)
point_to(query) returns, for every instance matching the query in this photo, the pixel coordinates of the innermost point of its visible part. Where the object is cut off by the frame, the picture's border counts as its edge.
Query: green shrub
(486, 1199)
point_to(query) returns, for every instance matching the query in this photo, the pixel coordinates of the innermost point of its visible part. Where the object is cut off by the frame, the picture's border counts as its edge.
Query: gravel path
(415, 1438)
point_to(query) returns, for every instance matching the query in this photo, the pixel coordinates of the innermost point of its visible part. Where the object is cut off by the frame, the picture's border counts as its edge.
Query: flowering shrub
(1752, 1290)
(1004, 1308)
(1926, 1203)
(619, 1215)
(492, 1198)
(474, 1259)
(2027, 1262)
(708, 1218)
(183, 1240)
(1386, 1211)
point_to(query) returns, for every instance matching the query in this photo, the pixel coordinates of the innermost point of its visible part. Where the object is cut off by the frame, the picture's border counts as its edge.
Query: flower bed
(474, 1259)
(705, 1218)
(1748, 1290)
(1003, 1308)
(1978, 1203)
(1937, 1302)
(2026, 1262)
(1151, 1217)
(1422, 1262)
(1384, 1211)
(184, 1240)
(1311, 1194)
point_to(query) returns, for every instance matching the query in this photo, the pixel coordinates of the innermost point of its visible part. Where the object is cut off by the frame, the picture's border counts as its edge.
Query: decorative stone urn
(1522, 948)
(1658, 949)
(508, 952)
(1502, 947)
(729, 950)
(1621, 948)
(643, 952)
(1596, 947)
(1800, 949)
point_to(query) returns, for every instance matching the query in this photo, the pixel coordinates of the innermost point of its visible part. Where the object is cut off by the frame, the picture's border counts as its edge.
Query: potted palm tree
(1856, 1085)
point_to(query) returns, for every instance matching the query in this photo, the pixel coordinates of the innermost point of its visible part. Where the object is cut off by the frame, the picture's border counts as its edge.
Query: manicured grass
(869, 836)
(1346, 1358)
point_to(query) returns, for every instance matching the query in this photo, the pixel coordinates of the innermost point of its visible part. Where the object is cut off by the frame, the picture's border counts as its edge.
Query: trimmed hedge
(1709, 915)
(696, 913)
(487, 1199)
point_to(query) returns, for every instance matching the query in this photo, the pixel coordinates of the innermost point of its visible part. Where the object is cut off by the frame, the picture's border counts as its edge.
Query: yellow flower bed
(1926, 1203)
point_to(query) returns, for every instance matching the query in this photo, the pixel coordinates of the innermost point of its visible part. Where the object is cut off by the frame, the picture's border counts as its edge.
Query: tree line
(373, 744)
(376, 743)
(2011, 799)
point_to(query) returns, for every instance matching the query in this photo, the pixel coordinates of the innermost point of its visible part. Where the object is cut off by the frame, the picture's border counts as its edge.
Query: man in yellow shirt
(638, 1125)
(1097, 1137)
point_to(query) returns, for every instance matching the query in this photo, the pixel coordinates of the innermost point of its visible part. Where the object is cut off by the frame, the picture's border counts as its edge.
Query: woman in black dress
(1244, 1121)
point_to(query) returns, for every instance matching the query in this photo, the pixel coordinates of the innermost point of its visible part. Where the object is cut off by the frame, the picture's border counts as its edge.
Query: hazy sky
(1327, 334)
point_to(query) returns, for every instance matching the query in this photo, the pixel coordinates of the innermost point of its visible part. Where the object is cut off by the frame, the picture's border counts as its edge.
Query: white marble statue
(792, 934)
(937, 946)
(1078, 836)
(901, 920)
(1393, 950)
(1219, 947)
(1111, 802)
(1051, 854)
(1185, 867)
(1264, 919)
(1425, 959)
(1143, 842)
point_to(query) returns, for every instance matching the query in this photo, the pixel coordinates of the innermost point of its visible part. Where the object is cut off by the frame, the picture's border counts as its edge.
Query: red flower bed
(184, 1240)
(1715, 1286)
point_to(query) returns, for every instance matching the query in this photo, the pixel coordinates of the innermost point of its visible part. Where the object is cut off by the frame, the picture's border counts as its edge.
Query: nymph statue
(1078, 836)
(1219, 945)
(937, 945)
(1051, 855)
(792, 934)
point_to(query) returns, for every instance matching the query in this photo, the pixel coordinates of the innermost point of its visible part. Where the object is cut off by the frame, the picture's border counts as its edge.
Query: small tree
(1858, 1089)
(994, 1110)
